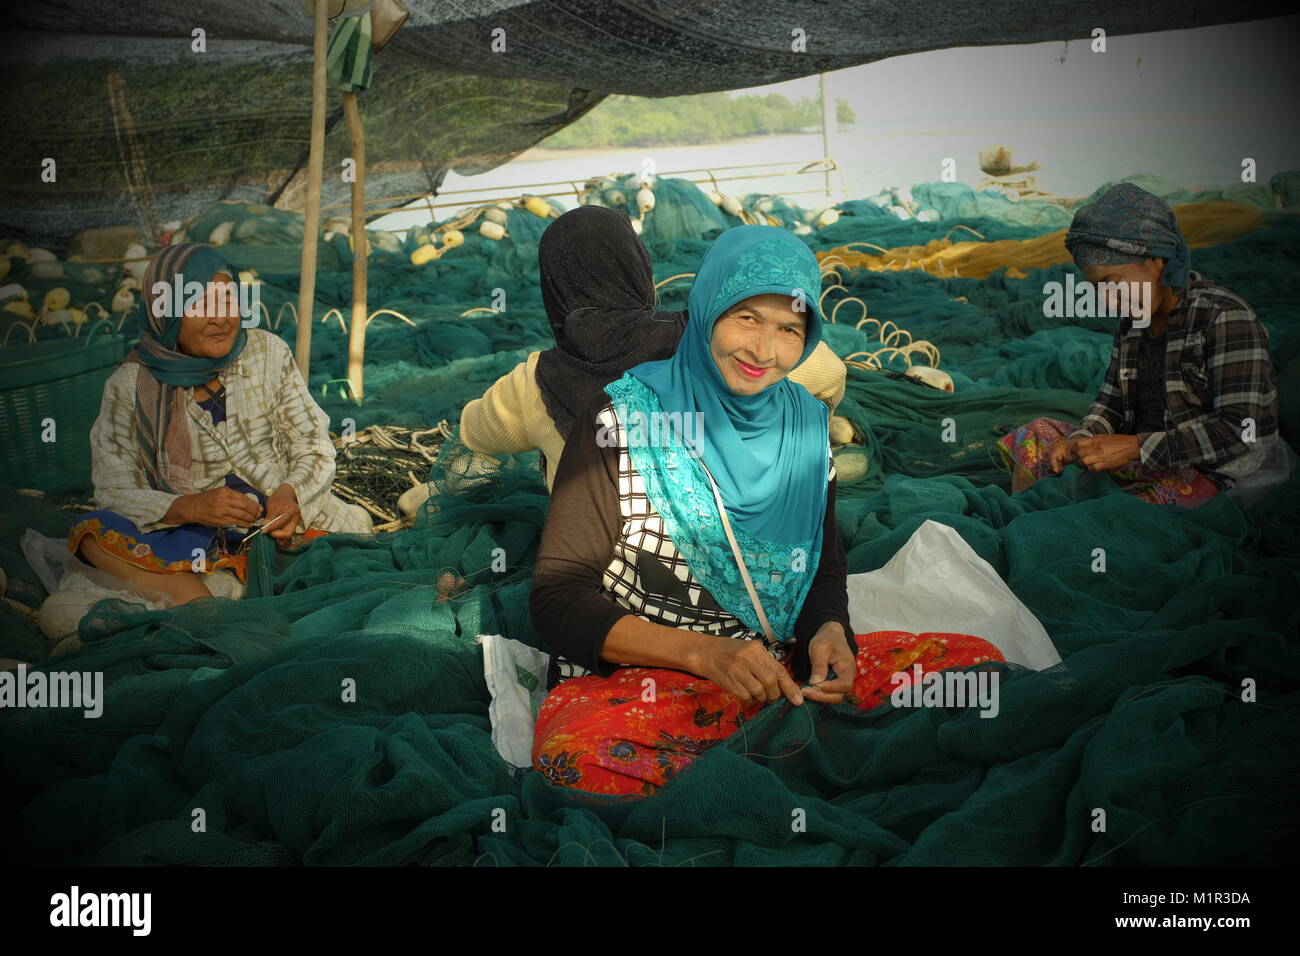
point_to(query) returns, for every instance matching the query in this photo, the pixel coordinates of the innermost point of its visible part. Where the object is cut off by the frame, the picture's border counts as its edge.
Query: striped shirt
(273, 433)
(1221, 399)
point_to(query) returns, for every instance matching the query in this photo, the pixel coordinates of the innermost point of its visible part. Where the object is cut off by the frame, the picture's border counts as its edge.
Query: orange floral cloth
(168, 551)
(1025, 454)
(633, 731)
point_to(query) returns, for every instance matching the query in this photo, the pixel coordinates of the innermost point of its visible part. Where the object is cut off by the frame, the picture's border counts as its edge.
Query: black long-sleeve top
(603, 555)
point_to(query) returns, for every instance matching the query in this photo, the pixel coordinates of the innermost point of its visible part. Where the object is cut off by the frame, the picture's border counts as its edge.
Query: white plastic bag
(936, 582)
(516, 676)
(1274, 470)
(60, 570)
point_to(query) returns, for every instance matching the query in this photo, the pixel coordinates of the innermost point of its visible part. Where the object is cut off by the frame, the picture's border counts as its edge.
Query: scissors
(259, 529)
(243, 544)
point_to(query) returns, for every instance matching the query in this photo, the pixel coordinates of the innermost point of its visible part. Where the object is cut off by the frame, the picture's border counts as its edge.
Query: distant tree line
(701, 118)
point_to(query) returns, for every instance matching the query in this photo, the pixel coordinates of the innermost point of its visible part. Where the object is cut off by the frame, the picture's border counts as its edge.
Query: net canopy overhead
(232, 121)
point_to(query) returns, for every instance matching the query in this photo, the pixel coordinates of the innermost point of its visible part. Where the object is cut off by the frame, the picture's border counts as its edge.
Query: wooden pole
(828, 124)
(360, 254)
(133, 171)
(311, 218)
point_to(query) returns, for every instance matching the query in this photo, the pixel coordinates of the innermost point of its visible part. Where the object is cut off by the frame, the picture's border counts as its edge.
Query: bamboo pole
(828, 125)
(360, 252)
(311, 218)
(133, 170)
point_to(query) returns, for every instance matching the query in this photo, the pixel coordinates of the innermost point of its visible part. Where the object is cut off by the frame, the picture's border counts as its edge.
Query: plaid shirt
(1218, 374)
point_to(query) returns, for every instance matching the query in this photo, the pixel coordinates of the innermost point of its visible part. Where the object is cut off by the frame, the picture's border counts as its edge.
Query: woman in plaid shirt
(1189, 404)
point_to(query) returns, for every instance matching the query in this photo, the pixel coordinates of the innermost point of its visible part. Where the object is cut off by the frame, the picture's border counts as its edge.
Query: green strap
(348, 57)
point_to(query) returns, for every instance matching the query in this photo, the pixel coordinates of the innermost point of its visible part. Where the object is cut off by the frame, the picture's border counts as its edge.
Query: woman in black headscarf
(598, 288)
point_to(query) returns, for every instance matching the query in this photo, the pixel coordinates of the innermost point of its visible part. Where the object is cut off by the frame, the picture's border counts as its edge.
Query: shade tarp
(226, 115)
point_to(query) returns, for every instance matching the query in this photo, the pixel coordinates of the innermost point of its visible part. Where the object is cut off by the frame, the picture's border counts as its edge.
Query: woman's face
(1140, 279)
(758, 341)
(210, 325)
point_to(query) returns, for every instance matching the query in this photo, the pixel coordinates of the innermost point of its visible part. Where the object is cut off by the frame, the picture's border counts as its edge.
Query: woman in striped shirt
(206, 430)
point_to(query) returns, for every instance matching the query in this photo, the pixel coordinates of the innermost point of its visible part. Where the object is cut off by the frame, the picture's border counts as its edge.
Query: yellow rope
(680, 275)
(378, 312)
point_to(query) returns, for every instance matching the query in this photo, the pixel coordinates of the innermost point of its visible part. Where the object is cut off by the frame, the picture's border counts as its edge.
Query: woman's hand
(746, 669)
(1063, 453)
(283, 501)
(217, 508)
(828, 650)
(1108, 452)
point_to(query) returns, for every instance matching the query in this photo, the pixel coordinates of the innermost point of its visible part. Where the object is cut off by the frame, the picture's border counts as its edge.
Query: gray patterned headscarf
(1128, 224)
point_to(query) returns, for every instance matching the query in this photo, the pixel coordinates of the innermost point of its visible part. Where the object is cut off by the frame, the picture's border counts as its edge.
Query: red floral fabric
(633, 731)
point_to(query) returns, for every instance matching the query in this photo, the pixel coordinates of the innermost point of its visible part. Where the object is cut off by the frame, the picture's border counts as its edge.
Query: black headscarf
(598, 289)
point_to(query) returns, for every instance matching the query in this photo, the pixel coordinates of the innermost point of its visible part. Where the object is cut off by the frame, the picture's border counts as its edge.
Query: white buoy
(491, 230)
(645, 201)
(221, 234)
(850, 465)
(411, 500)
(828, 217)
(934, 377)
(122, 300)
(137, 252)
(731, 206)
(841, 430)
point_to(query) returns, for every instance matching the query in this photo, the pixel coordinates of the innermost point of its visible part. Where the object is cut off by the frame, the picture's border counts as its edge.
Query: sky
(1219, 70)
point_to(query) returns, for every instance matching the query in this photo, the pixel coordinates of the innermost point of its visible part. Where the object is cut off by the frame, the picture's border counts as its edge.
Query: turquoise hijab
(768, 452)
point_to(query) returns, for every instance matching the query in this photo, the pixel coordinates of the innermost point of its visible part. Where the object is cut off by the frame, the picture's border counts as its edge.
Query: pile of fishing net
(339, 713)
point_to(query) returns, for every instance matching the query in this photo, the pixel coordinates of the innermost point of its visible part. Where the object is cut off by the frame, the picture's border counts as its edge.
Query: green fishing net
(339, 714)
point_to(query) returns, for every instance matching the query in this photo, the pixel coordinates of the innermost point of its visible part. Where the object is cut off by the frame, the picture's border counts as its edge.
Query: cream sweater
(511, 416)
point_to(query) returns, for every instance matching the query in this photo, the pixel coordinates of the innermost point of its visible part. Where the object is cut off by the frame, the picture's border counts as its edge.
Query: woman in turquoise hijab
(663, 643)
